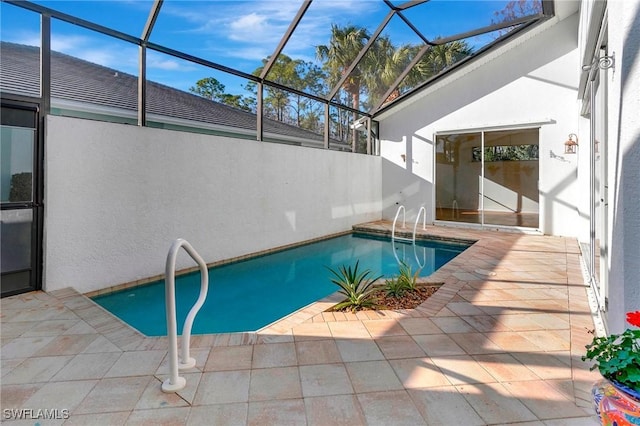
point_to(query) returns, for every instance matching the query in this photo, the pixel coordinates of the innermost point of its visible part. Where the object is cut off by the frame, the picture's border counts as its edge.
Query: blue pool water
(250, 294)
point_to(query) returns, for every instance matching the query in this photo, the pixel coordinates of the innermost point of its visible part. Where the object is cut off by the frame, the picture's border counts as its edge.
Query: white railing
(422, 212)
(395, 220)
(174, 382)
(424, 221)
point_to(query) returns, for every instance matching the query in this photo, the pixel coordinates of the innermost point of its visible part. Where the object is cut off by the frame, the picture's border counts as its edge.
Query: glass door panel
(510, 178)
(18, 213)
(458, 178)
(597, 263)
(15, 249)
(488, 178)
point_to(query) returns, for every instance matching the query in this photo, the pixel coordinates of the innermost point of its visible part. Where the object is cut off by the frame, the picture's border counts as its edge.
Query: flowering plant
(617, 356)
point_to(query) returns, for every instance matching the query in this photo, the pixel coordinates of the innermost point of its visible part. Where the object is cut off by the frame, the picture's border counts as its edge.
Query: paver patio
(499, 343)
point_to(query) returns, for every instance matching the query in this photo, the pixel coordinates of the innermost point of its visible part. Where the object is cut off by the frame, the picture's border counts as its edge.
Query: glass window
(16, 158)
(15, 253)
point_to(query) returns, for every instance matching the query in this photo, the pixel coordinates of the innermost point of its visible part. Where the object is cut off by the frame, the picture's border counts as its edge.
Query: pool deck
(499, 343)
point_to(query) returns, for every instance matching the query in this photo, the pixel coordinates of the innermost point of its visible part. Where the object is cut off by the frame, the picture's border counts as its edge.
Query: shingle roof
(85, 82)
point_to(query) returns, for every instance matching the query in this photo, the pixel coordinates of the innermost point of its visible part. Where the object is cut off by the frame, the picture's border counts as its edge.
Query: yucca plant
(394, 287)
(356, 286)
(407, 278)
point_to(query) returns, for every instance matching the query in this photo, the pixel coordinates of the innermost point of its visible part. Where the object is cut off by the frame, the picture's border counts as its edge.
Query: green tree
(435, 60)
(343, 47)
(210, 88)
(384, 64)
(284, 105)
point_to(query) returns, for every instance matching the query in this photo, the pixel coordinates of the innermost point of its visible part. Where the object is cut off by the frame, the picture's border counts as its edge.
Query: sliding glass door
(488, 177)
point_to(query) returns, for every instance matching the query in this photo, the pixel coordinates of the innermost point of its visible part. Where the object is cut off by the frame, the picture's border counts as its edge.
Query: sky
(237, 34)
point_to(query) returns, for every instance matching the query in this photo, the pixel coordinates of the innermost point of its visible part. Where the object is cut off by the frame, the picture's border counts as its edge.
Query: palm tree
(384, 64)
(344, 45)
(435, 60)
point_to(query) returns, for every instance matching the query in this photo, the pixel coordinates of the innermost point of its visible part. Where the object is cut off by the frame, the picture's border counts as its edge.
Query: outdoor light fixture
(571, 145)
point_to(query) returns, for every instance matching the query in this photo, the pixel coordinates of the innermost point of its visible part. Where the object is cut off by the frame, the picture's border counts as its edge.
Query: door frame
(482, 130)
(37, 203)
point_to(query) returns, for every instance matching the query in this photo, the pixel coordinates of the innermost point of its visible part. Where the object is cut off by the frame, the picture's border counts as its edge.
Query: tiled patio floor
(500, 343)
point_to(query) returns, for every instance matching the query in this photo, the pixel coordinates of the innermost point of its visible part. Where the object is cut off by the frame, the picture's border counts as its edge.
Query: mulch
(409, 300)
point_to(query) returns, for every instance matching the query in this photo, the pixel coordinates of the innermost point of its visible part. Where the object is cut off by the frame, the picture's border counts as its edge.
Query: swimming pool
(250, 294)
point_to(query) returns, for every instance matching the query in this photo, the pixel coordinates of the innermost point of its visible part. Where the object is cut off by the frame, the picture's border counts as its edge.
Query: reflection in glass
(504, 193)
(457, 179)
(510, 185)
(16, 164)
(15, 250)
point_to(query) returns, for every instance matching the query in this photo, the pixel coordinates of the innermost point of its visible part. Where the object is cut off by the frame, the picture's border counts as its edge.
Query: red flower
(633, 318)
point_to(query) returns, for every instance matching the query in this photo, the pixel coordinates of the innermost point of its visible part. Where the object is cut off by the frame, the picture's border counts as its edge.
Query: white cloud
(251, 20)
(251, 53)
(29, 38)
(166, 64)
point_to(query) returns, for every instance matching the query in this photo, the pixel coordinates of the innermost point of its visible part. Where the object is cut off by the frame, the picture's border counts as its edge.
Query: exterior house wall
(117, 196)
(623, 136)
(530, 83)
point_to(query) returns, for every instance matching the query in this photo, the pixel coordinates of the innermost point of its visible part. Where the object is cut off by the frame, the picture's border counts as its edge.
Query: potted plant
(617, 357)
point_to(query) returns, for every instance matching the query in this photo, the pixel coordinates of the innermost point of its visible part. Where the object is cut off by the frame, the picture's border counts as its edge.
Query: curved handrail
(175, 382)
(424, 221)
(404, 219)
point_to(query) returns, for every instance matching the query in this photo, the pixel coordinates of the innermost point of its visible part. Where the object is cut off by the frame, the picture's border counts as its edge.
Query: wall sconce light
(571, 145)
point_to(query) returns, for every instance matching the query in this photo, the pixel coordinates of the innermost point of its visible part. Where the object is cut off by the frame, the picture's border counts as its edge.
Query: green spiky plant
(356, 286)
(407, 278)
(394, 287)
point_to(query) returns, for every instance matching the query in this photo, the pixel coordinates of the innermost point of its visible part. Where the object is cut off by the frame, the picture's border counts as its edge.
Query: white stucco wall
(532, 82)
(117, 196)
(624, 161)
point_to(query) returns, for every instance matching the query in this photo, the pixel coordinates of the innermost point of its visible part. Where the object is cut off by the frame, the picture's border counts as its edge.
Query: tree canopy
(363, 89)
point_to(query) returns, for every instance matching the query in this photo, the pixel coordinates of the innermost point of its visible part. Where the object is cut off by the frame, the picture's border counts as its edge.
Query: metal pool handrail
(424, 221)
(174, 382)
(404, 217)
(422, 211)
